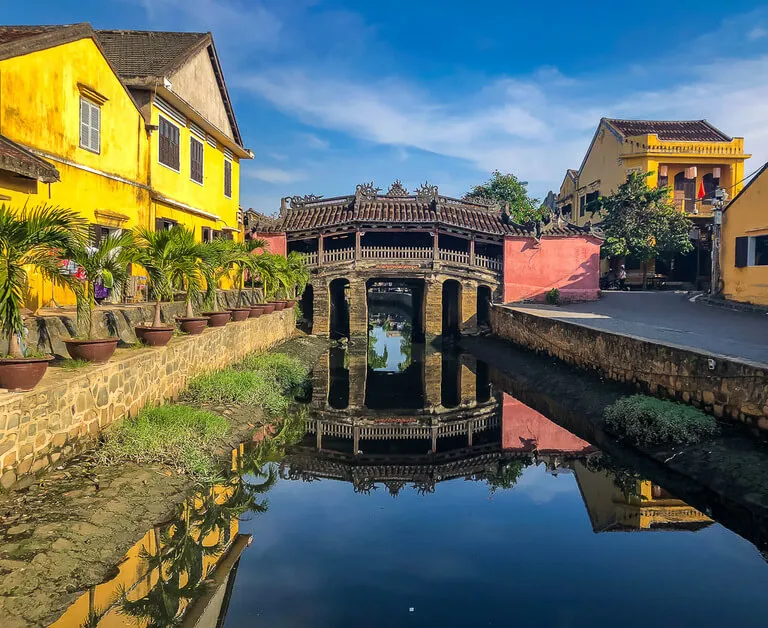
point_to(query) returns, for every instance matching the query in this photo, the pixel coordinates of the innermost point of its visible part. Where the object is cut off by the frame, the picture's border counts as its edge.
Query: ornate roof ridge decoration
(301, 201)
(426, 192)
(396, 190)
(366, 192)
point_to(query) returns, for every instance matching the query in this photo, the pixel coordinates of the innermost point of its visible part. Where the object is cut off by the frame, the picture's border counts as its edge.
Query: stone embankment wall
(68, 409)
(726, 387)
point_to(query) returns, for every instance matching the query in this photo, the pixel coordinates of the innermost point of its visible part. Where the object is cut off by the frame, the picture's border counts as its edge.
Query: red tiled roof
(319, 214)
(671, 130)
(17, 159)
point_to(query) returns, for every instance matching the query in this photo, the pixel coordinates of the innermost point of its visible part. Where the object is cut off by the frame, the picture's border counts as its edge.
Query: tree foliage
(507, 188)
(639, 221)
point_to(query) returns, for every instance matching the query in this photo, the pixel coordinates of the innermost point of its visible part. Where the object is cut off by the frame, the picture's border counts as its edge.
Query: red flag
(701, 193)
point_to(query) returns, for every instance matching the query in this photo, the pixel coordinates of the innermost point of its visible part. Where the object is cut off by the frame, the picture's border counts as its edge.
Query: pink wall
(524, 429)
(276, 242)
(531, 269)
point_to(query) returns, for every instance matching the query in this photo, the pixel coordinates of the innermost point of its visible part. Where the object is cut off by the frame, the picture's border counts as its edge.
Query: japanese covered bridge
(450, 257)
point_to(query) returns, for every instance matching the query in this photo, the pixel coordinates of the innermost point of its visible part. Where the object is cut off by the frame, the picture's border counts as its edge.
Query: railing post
(472, 251)
(358, 252)
(320, 249)
(434, 246)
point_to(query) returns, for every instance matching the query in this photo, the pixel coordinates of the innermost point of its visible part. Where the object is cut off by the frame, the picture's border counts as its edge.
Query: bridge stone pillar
(433, 379)
(321, 308)
(433, 308)
(358, 307)
(468, 305)
(468, 382)
(358, 371)
(320, 383)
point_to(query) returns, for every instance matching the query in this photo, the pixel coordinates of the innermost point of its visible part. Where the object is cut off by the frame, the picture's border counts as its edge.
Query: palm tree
(219, 258)
(106, 263)
(250, 247)
(299, 273)
(264, 267)
(33, 238)
(163, 259)
(188, 276)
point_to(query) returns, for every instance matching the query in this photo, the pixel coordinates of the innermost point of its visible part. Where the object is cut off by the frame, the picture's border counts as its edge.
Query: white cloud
(274, 175)
(310, 140)
(757, 33)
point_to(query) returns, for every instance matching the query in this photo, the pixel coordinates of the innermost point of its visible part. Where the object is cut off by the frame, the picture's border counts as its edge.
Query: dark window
(582, 205)
(742, 251)
(761, 250)
(227, 178)
(685, 193)
(90, 126)
(196, 160)
(711, 183)
(216, 235)
(591, 198)
(164, 224)
(207, 234)
(169, 144)
(567, 209)
(663, 181)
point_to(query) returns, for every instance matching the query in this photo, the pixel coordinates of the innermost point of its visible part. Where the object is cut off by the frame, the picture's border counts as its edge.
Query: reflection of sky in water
(392, 344)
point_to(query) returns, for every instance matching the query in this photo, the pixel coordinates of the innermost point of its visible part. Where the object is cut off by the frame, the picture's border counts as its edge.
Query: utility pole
(718, 201)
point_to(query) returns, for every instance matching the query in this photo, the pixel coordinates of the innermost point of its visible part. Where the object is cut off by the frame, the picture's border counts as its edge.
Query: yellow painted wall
(40, 109)
(601, 164)
(178, 186)
(746, 216)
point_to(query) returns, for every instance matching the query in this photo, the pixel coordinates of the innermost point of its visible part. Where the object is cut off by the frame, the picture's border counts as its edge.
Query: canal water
(411, 492)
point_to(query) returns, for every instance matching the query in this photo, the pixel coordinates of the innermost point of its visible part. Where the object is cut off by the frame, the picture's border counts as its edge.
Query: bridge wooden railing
(403, 253)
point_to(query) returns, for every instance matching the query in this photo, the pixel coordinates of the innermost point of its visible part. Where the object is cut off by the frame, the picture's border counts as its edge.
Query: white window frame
(91, 107)
(192, 138)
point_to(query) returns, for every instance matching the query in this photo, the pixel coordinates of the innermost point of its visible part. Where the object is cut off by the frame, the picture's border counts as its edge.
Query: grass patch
(261, 380)
(647, 421)
(73, 365)
(175, 435)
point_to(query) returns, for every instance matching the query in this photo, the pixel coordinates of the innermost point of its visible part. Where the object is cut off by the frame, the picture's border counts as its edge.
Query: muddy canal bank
(726, 477)
(69, 529)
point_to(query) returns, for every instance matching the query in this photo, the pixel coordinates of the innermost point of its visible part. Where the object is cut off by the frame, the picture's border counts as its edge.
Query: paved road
(669, 317)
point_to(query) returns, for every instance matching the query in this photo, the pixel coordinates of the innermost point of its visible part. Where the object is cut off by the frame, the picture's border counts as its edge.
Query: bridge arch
(483, 305)
(307, 305)
(338, 297)
(451, 290)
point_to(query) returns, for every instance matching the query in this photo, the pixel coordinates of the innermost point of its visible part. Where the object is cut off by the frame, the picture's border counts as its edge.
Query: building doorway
(451, 307)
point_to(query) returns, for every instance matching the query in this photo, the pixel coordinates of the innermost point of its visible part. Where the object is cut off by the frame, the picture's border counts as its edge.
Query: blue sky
(331, 93)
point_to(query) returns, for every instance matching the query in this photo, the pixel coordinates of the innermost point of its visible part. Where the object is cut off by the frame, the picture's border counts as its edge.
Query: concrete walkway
(669, 318)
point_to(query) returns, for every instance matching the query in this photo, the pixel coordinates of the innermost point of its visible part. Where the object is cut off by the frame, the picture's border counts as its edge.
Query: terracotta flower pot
(193, 326)
(279, 305)
(256, 311)
(154, 336)
(291, 304)
(98, 350)
(268, 308)
(217, 319)
(239, 313)
(22, 374)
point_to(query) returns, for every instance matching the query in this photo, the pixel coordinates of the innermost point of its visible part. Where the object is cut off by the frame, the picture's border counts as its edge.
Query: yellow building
(691, 157)
(138, 128)
(744, 248)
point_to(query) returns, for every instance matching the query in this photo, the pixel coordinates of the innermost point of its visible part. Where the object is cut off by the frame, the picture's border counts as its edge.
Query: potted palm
(247, 264)
(190, 278)
(239, 259)
(299, 275)
(158, 252)
(30, 239)
(214, 265)
(261, 269)
(283, 282)
(105, 264)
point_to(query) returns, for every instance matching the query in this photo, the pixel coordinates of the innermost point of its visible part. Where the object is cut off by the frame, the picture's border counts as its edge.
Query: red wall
(524, 429)
(531, 269)
(276, 242)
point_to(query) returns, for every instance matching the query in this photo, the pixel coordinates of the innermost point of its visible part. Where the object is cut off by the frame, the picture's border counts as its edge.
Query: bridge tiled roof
(312, 213)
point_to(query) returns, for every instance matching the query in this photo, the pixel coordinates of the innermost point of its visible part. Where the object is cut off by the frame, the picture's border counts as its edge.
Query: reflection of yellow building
(137, 576)
(644, 506)
(131, 129)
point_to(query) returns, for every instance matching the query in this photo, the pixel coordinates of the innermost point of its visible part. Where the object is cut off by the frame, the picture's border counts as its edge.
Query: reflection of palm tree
(506, 475)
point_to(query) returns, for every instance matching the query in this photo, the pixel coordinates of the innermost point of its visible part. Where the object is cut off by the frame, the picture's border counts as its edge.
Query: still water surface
(420, 496)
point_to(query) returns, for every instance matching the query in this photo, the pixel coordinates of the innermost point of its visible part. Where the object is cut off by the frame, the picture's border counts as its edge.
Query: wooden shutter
(85, 120)
(227, 178)
(195, 160)
(742, 251)
(94, 234)
(95, 128)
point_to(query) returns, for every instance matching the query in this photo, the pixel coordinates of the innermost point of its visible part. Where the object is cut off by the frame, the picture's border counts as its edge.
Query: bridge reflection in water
(394, 414)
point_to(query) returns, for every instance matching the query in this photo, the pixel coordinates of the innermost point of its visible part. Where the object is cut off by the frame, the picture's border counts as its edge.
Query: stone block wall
(726, 387)
(68, 409)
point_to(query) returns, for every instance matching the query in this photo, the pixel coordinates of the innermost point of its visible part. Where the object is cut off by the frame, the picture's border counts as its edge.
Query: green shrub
(553, 297)
(231, 386)
(176, 435)
(649, 421)
(286, 371)
(73, 365)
